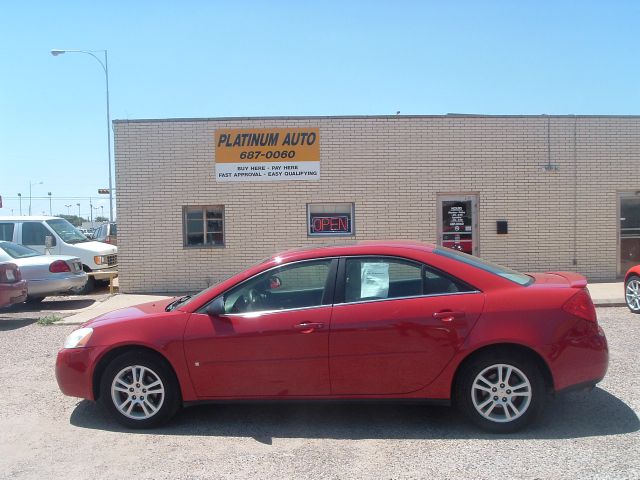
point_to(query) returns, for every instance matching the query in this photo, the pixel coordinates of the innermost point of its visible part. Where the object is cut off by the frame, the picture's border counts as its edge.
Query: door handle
(308, 327)
(448, 315)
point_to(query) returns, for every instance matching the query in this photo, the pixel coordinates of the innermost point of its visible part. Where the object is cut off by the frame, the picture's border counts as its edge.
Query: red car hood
(131, 313)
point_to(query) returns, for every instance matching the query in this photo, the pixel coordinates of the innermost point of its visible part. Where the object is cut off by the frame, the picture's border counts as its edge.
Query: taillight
(9, 273)
(59, 266)
(581, 306)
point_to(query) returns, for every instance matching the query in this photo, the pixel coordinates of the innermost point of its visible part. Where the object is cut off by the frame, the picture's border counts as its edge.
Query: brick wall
(392, 168)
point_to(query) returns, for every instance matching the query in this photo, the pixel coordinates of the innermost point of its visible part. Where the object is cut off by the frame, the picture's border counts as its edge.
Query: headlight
(78, 338)
(100, 259)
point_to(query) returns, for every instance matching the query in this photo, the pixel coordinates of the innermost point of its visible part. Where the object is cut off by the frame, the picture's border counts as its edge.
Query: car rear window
(504, 272)
(18, 251)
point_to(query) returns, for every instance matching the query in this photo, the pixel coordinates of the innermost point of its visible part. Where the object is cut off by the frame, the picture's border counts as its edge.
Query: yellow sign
(267, 154)
(268, 145)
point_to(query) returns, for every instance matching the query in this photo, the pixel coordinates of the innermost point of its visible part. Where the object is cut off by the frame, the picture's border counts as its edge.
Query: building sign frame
(267, 154)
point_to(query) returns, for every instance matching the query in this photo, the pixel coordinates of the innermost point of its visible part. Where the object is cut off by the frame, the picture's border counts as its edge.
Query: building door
(458, 222)
(629, 231)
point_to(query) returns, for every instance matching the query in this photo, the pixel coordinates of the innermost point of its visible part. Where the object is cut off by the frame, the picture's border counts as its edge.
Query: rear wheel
(501, 393)
(632, 293)
(88, 287)
(139, 390)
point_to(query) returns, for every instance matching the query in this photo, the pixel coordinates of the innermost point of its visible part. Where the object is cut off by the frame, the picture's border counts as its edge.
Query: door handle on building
(448, 315)
(308, 327)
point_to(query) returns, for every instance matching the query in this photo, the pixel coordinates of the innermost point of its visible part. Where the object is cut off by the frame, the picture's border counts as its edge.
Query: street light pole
(50, 209)
(79, 211)
(105, 67)
(20, 201)
(30, 185)
(69, 209)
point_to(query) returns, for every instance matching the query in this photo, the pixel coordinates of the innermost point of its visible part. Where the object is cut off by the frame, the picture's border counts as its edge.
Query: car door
(272, 339)
(395, 325)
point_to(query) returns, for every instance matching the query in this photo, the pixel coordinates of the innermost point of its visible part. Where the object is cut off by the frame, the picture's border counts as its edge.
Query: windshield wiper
(173, 305)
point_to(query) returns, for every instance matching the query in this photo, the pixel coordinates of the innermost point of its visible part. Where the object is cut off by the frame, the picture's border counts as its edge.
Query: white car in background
(45, 274)
(56, 236)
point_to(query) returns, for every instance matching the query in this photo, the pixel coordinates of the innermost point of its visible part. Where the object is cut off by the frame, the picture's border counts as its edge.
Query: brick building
(535, 193)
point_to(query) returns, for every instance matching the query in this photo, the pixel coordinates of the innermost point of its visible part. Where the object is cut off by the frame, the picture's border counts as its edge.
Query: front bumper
(105, 274)
(11, 293)
(74, 371)
(52, 286)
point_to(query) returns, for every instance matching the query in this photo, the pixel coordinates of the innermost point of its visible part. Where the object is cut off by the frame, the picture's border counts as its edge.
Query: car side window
(34, 233)
(298, 285)
(6, 231)
(379, 278)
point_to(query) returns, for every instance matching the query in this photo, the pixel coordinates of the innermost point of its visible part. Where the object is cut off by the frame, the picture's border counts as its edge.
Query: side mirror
(216, 308)
(49, 241)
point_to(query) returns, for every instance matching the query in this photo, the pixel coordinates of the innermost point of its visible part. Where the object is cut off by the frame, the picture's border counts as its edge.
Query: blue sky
(208, 59)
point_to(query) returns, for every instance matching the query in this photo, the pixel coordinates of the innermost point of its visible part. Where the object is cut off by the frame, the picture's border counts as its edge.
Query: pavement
(607, 294)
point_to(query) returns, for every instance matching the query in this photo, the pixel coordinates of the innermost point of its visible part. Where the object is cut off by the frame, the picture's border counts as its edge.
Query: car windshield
(504, 272)
(17, 251)
(67, 232)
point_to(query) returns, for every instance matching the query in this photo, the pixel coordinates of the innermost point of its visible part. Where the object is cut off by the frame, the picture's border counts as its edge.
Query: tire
(632, 293)
(34, 300)
(132, 404)
(88, 287)
(514, 408)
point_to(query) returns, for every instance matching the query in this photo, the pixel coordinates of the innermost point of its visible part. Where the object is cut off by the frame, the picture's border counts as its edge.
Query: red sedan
(375, 320)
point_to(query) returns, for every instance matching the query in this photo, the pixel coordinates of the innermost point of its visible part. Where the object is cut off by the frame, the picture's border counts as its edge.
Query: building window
(203, 226)
(330, 219)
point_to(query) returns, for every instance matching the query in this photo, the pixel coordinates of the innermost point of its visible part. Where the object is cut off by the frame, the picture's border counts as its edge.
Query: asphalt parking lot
(46, 435)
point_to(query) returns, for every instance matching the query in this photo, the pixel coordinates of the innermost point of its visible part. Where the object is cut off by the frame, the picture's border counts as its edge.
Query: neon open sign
(330, 224)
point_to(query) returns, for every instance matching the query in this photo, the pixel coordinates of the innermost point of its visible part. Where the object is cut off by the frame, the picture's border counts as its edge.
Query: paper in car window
(374, 280)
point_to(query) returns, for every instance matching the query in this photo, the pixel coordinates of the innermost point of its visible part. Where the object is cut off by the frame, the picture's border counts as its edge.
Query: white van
(64, 239)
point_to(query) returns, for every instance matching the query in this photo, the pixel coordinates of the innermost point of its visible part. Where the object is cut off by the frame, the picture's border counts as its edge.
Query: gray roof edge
(360, 117)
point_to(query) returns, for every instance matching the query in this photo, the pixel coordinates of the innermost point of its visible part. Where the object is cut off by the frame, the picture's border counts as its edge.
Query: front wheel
(140, 390)
(632, 293)
(500, 393)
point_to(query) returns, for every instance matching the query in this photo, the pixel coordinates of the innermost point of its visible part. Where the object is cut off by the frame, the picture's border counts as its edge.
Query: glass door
(629, 231)
(458, 222)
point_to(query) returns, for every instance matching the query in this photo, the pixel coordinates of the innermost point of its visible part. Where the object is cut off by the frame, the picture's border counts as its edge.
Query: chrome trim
(409, 297)
(267, 312)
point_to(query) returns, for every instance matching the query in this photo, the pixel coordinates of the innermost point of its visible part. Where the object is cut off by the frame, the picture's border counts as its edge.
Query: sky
(248, 58)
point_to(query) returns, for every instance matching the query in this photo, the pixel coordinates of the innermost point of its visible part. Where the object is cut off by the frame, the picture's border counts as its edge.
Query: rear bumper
(74, 371)
(58, 284)
(11, 293)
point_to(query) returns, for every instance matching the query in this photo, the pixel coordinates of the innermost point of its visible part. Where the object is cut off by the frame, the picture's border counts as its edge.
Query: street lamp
(20, 201)
(50, 209)
(102, 211)
(79, 211)
(69, 209)
(105, 67)
(30, 185)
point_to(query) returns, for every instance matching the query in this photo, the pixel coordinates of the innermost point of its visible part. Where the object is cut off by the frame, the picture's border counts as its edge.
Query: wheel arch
(112, 354)
(514, 348)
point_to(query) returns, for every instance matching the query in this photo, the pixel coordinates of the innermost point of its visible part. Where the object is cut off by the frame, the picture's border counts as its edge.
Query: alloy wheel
(501, 393)
(632, 293)
(137, 392)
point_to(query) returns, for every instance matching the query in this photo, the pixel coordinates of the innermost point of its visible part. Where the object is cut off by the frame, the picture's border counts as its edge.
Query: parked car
(12, 288)
(33, 232)
(107, 233)
(632, 289)
(369, 320)
(45, 274)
